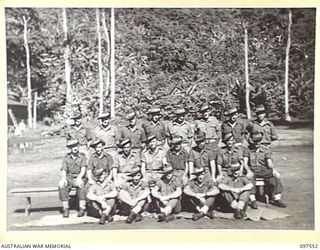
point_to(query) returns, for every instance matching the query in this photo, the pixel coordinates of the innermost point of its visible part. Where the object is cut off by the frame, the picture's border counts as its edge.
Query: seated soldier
(167, 193)
(258, 164)
(99, 160)
(236, 190)
(73, 172)
(133, 195)
(102, 196)
(200, 195)
(124, 161)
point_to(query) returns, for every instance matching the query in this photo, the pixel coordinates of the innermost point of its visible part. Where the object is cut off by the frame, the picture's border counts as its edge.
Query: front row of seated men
(120, 185)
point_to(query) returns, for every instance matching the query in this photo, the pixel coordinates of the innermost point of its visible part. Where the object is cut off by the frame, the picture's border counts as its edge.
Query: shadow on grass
(41, 209)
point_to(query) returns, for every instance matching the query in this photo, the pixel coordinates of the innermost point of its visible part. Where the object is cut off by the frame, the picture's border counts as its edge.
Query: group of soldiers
(166, 167)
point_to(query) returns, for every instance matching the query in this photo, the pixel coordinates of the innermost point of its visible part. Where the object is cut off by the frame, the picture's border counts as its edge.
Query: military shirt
(210, 127)
(135, 134)
(95, 163)
(153, 160)
(266, 127)
(238, 129)
(158, 129)
(109, 135)
(228, 157)
(204, 187)
(135, 190)
(168, 187)
(257, 158)
(125, 164)
(73, 166)
(100, 189)
(202, 158)
(78, 133)
(180, 129)
(178, 159)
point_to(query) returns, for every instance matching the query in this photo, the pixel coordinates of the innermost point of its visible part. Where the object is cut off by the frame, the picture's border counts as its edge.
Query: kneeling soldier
(133, 195)
(102, 196)
(201, 194)
(236, 190)
(73, 172)
(167, 193)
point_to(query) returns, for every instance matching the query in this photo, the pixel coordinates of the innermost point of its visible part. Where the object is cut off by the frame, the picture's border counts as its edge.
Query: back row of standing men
(162, 151)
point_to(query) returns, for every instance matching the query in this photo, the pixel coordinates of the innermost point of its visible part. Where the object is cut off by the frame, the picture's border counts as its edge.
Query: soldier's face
(99, 148)
(230, 142)
(168, 176)
(236, 173)
(104, 122)
(261, 116)
(176, 147)
(77, 122)
(102, 177)
(132, 122)
(200, 177)
(206, 115)
(136, 178)
(233, 117)
(127, 149)
(156, 117)
(180, 118)
(201, 144)
(75, 149)
(153, 143)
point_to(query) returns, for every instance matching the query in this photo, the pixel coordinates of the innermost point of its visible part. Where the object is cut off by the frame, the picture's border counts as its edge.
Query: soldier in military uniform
(200, 195)
(101, 196)
(261, 124)
(133, 132)
(167, 193)
(180, 127)
(258, 162)
(73, 173)
(99, 160)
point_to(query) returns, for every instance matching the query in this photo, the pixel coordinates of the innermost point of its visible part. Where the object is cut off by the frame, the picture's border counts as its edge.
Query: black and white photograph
(160, 118)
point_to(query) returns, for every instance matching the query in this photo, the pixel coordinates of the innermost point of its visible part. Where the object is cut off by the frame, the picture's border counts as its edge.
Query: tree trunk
(247, 72)
(99, 63)
(35, 100)
(286, 82)
(67, 65)
(25, 23)
(112, 71)
(108, 52)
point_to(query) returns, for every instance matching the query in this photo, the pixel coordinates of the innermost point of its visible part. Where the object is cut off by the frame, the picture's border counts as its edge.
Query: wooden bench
(36, 192)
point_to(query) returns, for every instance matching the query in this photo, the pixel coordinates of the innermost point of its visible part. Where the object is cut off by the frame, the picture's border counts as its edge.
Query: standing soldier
(234, 126)
(108, 133)
(236, 190)
(201, 156)
(180, 127)
(178, 157)
(167, 193)
(228, 156)
(99, 160)
(209, 125)
(73, 172)
(101, 196)
(261, 124)
(132, 132)
(124, 161)
(133, 195)
(154, 126)
(200, 195)
(258, 162)
(77, 131)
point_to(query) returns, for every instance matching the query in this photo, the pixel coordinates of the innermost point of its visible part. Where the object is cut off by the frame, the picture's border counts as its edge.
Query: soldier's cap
(124, 142)
(131, 115)
(200, 136)
(72, 142)
(204, 108)
(198, 171)
(230, 111)
(226, 137)
(260, 109)
(180, 111)
(154, 110)
(150, 138)
(167, 168)
(193, 109)
(95, 142)
(104, 115)
(235, 167)
(134, 171)
(75, 115)
(176, 140)
(257, 137)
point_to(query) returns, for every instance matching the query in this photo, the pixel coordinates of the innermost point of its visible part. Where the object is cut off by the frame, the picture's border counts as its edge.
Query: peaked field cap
(204, 107)
(150, 138)
(231, 111)
(104, 115)
(198, 171)
(154, 110)
(75, 115)
(226, 137)
(167, 168)
(180, 111)
(235, 166)
(96, 142)
(257, 137)
(176, 140)
(72, 142)
(134, 171)
(131, 115)
(200, 136)
(260, 109)
(124, 142)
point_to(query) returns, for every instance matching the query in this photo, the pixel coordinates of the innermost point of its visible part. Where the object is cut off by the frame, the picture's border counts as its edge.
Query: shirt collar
(105, 129)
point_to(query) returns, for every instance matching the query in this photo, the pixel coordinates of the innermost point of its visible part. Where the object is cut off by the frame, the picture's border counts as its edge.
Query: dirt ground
(41, 167)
